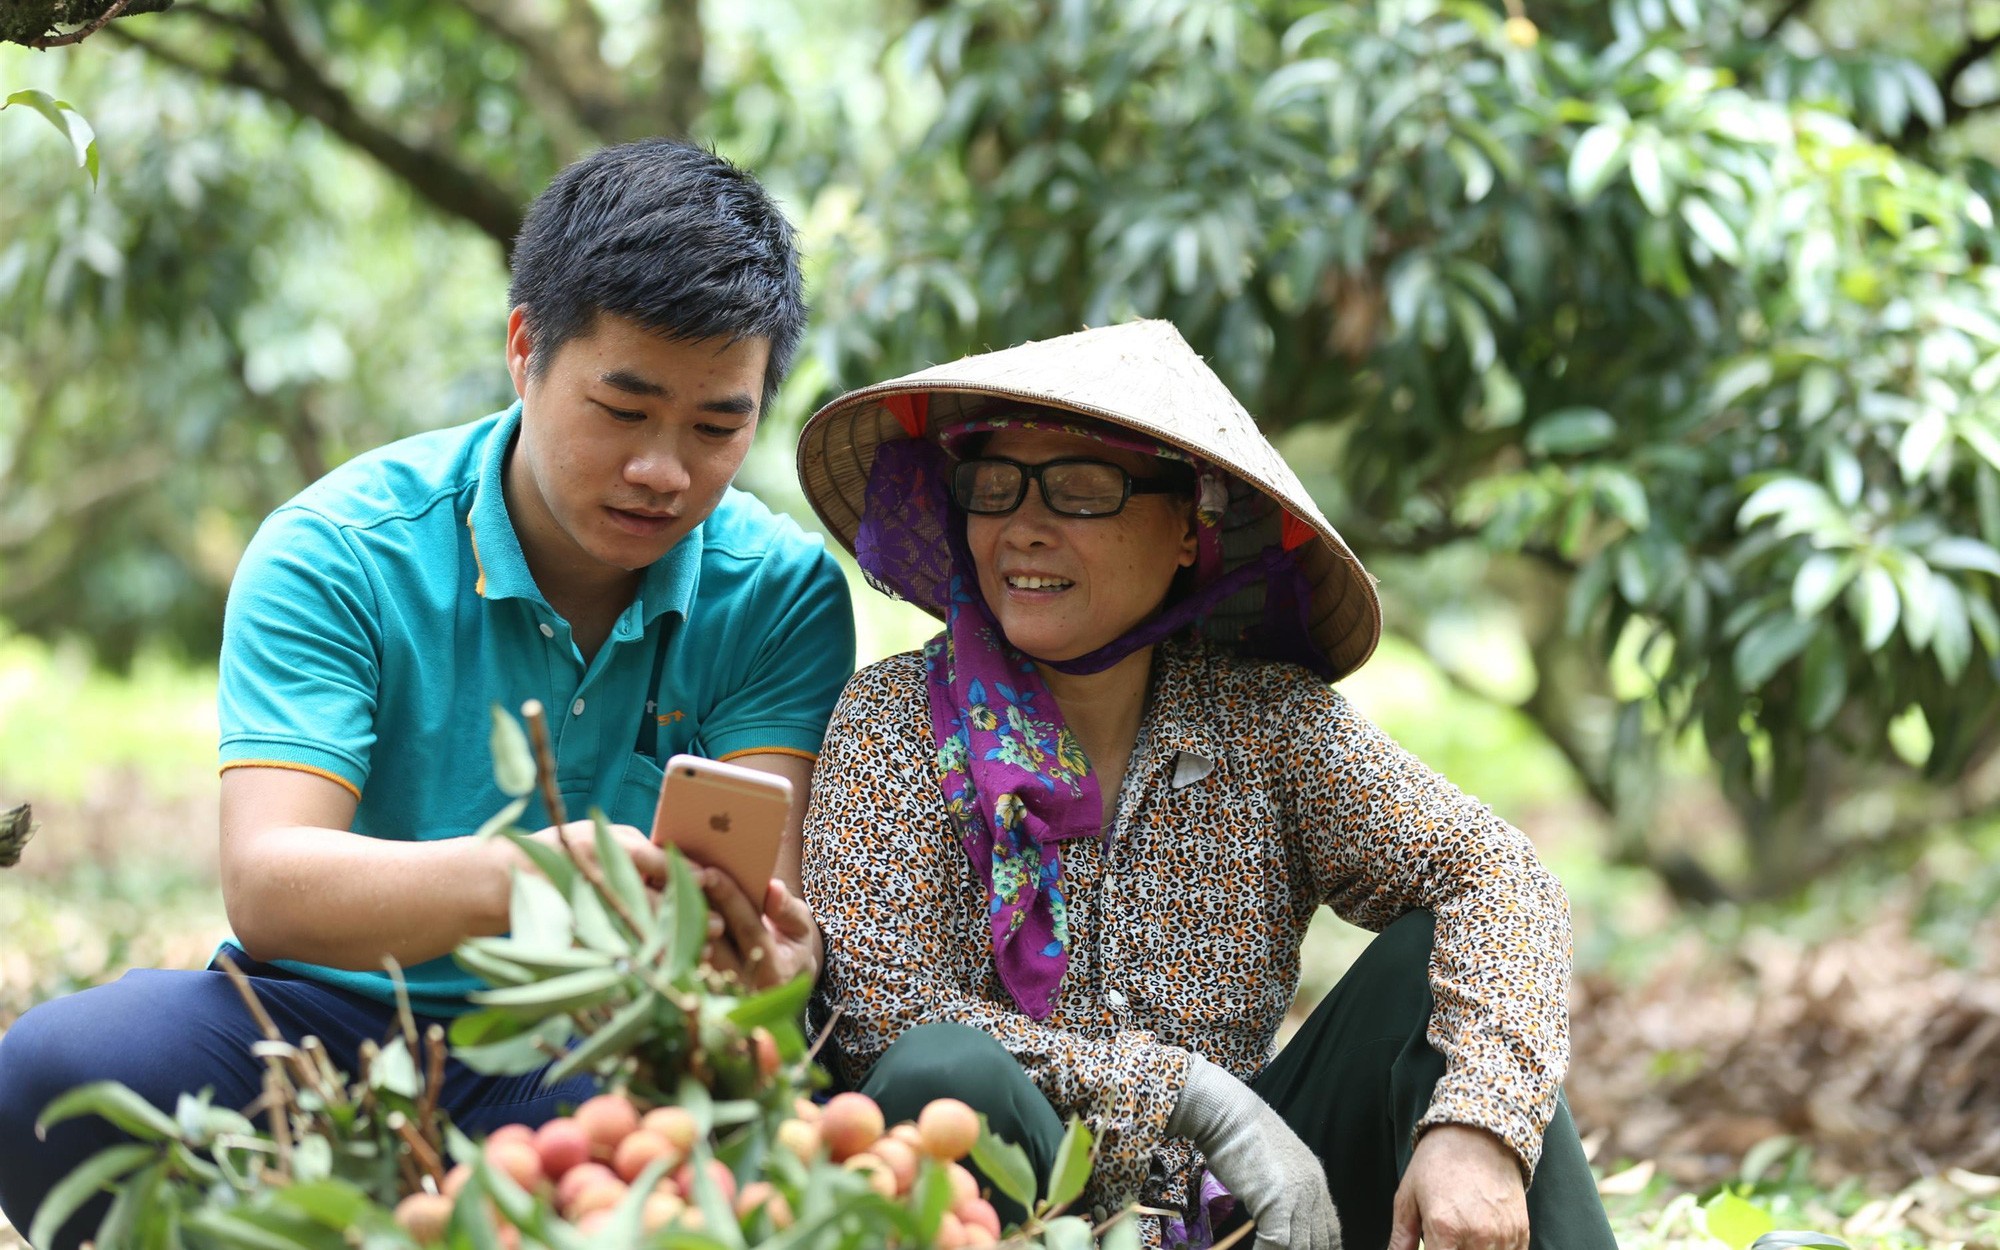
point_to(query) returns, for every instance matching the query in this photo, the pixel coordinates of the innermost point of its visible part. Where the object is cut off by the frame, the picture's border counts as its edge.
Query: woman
(1064, 858)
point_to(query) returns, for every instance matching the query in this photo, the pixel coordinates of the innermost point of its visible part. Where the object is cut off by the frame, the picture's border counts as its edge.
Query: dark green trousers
(1352, 1084)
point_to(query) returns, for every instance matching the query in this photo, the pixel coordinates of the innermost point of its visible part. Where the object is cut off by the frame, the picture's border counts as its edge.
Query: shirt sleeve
(300, 667)
(804, 652)
(887, 881)
(1386, 835)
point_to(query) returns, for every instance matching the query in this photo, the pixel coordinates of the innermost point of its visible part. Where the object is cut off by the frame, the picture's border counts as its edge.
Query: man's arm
(298, 884)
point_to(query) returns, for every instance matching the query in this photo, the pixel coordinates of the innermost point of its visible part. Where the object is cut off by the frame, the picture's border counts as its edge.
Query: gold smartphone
(725, 816)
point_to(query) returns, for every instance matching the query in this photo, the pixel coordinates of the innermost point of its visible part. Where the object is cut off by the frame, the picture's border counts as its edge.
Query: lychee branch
(545, 776)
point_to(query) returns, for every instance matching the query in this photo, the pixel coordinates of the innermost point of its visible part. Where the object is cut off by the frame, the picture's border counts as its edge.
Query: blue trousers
(165, 1033)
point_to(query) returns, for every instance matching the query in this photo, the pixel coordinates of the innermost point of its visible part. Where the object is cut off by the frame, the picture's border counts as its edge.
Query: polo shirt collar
(501, 569)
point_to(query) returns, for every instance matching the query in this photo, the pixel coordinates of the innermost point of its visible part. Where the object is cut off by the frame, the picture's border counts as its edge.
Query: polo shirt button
(576, 708)
(548, 630)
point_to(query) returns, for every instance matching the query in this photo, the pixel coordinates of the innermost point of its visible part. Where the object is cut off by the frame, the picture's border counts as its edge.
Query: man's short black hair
(665, 234)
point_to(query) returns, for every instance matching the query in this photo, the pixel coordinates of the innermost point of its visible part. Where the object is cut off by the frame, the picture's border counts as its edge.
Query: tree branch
(681, 96)
(301, 84)
(31, 23)
(83, 33)
(565, 62)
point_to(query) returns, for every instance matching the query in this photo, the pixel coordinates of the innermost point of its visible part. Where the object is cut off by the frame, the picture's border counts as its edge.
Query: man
(583, 548)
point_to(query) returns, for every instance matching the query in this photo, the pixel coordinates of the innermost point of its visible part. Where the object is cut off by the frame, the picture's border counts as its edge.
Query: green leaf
(624, 1030)
(1071, 1171)
(718, 1219)
(1801, 506)
(395, 1070)
(1571, 432)
(1820, 580)
(1968, 554)
(1920, 603)
(1006, 1165)
(1594, 161)
(116, 1103)
(259, 1231)
(133, 1208)
(570, 992)
(333, 1203)
(1124, 1235)
(1649, 180)
(513, 757)
(1067, 1233)
(525, 1052)
(1822, 681)
(551, 862)
(1758, 1159)
(1711, 229)
(1951, 637)
(537, 916)
(1875, 605)
(91, 1178)
(502, 819)
(1921, 443)
(783, 1002)
(476, 957)
(63, 116)
(312, 1159)
(542, 961)
(620, 873)
(594, 926)
(689, 921)
(1768, 645)
(1819, 391)
(1735, 1221)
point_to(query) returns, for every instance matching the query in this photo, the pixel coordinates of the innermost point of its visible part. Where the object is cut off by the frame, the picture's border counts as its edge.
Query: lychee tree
(705, 1135)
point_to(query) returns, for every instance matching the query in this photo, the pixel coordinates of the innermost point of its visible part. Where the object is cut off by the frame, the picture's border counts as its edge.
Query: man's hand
(581, 837)
(766, 948)
(1462, 1191)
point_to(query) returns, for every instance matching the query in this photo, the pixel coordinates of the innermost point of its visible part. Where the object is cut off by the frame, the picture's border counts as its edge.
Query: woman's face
(1064, 586)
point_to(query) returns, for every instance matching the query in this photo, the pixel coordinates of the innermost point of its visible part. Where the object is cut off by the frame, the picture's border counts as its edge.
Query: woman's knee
(941, 1060)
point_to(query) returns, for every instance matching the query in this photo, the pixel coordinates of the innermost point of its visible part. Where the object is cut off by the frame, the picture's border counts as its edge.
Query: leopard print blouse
(1255, 795)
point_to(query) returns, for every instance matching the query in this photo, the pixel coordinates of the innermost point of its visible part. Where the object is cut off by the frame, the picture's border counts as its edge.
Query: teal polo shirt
(377, 618)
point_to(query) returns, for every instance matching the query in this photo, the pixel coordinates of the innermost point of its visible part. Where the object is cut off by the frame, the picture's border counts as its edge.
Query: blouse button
(1116, 999)
(576, 708)
(548, 630)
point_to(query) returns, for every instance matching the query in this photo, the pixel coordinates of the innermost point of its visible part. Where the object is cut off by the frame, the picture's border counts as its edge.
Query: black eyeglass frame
(1170, 485)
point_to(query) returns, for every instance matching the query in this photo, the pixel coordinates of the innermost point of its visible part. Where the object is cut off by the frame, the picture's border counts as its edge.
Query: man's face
(627, 443)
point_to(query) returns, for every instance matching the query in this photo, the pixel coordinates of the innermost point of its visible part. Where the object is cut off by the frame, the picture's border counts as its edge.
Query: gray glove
(1252, 1150)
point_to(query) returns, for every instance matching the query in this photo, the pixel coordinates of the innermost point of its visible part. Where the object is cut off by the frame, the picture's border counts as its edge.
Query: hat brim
(838, 444)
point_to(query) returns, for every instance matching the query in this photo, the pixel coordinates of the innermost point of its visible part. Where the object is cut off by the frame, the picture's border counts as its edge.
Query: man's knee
(40, 1058)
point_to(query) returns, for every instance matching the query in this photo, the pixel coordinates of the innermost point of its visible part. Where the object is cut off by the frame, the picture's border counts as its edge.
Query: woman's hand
(1256, 1154)
(1462, 1191)
(763, 948)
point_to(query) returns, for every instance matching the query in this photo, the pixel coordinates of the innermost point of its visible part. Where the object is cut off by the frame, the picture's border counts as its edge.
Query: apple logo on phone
(719, 822)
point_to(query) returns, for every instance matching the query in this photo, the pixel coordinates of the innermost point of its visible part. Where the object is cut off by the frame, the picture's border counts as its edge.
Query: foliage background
(1650, 364)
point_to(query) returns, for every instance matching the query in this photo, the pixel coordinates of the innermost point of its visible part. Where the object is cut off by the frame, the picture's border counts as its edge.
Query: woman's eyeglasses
(992, 486)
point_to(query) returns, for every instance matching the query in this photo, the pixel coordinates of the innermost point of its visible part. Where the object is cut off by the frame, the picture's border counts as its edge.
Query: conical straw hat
(1141, 375)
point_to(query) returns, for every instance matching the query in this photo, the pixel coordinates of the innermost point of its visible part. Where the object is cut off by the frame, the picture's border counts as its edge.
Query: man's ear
(520, 348)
